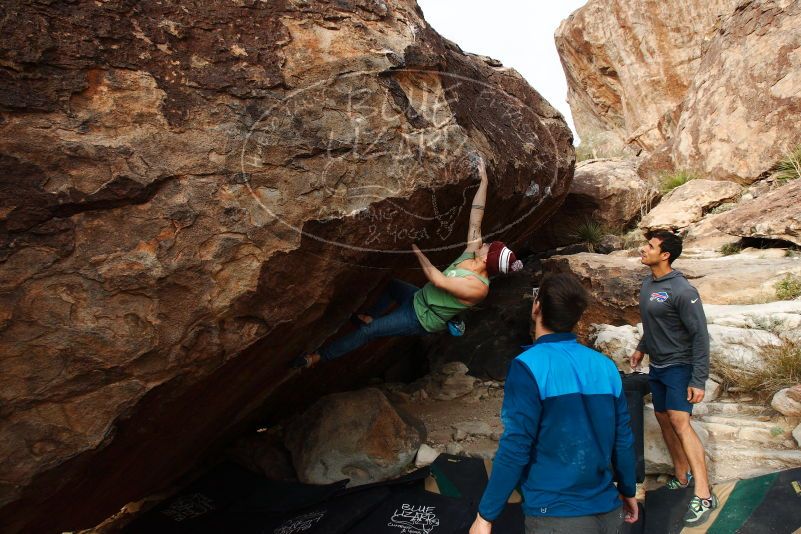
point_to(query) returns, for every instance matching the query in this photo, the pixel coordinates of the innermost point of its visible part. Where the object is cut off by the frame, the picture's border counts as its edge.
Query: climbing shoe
(700, 510)
(674, 483)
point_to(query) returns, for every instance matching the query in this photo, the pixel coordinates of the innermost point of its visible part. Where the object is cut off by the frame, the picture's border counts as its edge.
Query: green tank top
(434, 306)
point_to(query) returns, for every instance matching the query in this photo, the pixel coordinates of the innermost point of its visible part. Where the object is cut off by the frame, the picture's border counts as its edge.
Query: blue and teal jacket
(566, 433)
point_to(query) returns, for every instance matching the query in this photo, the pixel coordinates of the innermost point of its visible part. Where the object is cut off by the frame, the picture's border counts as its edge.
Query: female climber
(420, 311)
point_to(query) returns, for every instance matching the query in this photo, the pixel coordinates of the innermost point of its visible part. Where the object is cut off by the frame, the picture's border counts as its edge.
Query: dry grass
(782, 369)
(730, 248)
(788, 288)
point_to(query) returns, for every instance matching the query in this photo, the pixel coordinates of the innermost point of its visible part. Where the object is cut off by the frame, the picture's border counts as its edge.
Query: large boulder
(629, 64)
(356, 435)
(785, 405)
(741, 111)
(688, 203)
(608, 192)
(706, 236)
(775, 215)
(617, 342)
(189, 198)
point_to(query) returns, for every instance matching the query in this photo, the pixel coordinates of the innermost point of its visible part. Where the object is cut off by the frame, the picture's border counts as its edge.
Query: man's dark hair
(562, 299)
(668, 242)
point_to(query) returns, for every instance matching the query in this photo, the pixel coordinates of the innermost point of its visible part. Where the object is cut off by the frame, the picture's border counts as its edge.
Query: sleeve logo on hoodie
(659, 296)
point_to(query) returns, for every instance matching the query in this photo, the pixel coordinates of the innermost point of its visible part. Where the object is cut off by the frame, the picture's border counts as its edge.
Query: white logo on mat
(189, 506)
(414, 519)
(302, 523)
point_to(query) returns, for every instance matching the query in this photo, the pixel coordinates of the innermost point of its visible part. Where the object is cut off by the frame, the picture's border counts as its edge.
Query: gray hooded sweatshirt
(674, 325)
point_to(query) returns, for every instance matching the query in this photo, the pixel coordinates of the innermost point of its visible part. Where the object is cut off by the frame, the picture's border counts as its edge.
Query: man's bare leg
(693, 450)
(680, 462)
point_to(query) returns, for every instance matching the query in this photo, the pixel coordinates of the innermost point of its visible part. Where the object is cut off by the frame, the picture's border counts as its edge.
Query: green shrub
(590, 232)
(788, 287)
(670, 182)
(730, 248)
(789, 168)
(781, 369)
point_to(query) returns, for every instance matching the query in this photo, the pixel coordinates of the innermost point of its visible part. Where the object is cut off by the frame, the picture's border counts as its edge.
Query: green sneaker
(700, 510)
(675, 484)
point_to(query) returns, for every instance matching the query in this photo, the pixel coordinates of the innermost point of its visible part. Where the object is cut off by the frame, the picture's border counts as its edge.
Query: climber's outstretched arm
(477, 209)
(468, 289)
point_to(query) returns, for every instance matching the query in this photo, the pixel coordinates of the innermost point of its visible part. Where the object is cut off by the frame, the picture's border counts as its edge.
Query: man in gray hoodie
(675, 337)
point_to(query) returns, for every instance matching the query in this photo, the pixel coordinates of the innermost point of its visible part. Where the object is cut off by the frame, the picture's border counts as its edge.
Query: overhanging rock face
(192, 194)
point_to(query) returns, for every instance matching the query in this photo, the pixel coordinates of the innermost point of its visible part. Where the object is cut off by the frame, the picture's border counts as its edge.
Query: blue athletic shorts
(669, 387)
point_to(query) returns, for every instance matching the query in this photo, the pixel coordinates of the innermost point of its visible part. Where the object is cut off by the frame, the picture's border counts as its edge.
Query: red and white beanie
(500, 259)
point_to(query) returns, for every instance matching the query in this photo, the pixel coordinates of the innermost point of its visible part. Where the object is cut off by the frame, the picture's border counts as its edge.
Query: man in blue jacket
(566, 437)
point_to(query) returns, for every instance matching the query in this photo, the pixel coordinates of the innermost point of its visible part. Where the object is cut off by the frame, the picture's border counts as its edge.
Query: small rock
(711, 391)
(786, 406)
(454, 448)
(485, 452)
(496, 436)
(795, 392)
(425, 456)
(473, 428)
(459, 434)
(454, 368)
(419, 395)
(797, 434)
(453, 386)
(609, 243)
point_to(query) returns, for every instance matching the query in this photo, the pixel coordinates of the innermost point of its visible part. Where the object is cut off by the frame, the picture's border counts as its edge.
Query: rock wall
(629, 64)
(193, 193)
(741, 112)
(709, 87)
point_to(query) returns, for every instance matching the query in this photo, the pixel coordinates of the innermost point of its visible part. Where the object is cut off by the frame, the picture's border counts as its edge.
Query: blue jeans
(402, 321)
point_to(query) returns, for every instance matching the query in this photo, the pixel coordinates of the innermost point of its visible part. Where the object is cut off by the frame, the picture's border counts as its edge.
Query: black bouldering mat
(636, 382)
(206, 505)
(415, 511)
(466, 478)
(769, 504)
(635, 386)
(637, 425)
(335, 516)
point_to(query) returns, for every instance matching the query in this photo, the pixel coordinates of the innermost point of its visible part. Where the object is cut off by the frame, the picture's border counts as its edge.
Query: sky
(519, 33)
